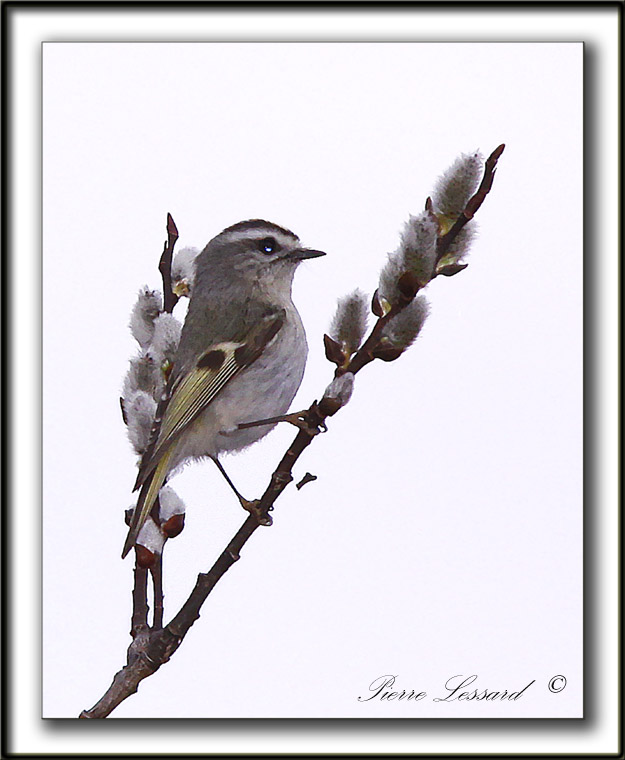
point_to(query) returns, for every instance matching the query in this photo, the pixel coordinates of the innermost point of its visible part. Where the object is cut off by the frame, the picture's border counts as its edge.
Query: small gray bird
(240, 359)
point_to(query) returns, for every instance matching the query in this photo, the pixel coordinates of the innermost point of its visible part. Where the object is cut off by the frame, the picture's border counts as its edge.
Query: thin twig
(139, 622)
(308, 478)
(156, 571)
(170, 299)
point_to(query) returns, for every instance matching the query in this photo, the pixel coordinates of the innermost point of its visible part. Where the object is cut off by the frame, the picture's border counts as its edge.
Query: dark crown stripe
(261, 225)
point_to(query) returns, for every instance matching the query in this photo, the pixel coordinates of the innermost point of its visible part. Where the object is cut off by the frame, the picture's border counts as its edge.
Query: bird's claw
(253, 507)
(300, 420)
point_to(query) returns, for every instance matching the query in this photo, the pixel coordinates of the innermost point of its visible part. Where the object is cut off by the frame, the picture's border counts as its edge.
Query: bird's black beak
(305, 253)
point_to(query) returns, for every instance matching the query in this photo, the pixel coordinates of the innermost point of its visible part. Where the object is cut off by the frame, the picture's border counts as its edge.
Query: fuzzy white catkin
(349, 324)
(402, 330)
(151, 537)
(389, 275)
(461, 244)
(456, 185)
(140, 409)
(341, 388)
(147, 307)
(166, 338)
(170, 503)
(183, 267)
(418, 245)
(144, 374)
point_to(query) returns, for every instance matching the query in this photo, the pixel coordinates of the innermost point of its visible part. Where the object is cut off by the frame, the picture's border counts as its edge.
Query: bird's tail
(147, 497)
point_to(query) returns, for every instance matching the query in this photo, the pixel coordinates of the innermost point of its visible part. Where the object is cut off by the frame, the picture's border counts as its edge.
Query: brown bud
(409, 285)
(387, 352)
(334, 351)
(145, 558)
(172, 230)
(376, 305)
(329, 406)
(449, 270)
(173, 527)
(121, 403)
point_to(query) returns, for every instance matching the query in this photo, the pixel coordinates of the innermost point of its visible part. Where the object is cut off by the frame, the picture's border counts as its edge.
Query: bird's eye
(268, 245)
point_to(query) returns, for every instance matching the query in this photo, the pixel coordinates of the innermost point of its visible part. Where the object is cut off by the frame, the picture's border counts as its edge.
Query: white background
(444, 533)
(443, 536)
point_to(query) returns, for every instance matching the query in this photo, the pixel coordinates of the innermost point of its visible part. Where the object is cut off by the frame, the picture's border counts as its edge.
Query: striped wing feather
(192, 392)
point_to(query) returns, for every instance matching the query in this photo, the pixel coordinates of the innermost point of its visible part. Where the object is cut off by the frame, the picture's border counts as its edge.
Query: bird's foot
(253, 507)
(299, 419)
(248, 506)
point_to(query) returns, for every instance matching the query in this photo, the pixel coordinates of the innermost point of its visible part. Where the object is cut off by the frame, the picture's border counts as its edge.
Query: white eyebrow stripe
(259, 234)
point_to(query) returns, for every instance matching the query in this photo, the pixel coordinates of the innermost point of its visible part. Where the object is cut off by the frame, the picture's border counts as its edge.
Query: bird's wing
(189, 396)
(192, 392)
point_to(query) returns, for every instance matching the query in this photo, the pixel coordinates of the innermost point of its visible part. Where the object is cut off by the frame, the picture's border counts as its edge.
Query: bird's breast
(265, 389)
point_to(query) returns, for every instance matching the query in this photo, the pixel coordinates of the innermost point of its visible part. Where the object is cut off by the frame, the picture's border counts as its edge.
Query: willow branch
(408, 285)
(153, 647)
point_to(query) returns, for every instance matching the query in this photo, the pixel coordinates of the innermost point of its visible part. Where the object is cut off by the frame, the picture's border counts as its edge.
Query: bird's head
(257, 251)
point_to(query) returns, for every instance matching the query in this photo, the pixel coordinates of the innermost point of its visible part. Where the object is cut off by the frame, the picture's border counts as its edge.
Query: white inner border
(598, 27)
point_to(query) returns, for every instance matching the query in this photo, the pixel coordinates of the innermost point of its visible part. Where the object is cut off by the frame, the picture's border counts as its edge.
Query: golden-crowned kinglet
(240, 359)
